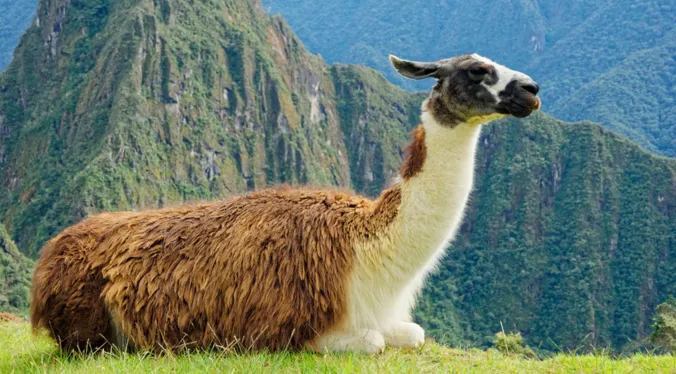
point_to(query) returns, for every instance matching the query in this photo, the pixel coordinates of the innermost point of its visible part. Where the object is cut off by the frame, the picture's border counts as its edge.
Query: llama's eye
(478, 71)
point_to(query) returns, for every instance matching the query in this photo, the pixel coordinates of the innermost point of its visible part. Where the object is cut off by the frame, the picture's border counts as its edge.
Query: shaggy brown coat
(266, 270)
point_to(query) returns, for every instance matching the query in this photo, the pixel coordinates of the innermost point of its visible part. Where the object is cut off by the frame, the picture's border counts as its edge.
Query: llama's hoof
(373, 343)
(405, 335)
(365, 341)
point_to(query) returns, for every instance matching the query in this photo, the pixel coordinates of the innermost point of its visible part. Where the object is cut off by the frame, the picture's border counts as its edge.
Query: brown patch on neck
(415, 154)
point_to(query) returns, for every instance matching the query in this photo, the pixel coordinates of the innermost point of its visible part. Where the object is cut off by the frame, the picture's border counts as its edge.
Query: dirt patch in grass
(8, 317)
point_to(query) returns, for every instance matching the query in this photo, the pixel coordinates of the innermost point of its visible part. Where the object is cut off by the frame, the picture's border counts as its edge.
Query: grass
(21, 352)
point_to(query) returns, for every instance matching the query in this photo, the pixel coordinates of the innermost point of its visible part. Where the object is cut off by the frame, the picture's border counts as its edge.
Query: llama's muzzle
(538, 103)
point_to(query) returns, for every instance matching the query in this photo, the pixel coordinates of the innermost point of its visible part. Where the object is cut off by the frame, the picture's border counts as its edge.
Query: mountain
(133, 104)
(15, 271)
(636, 98)
(15, 16)
(513, 32)
(611, 62)
(592, 57)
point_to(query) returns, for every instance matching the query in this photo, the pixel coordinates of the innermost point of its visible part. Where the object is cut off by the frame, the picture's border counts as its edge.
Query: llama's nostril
(532, 88)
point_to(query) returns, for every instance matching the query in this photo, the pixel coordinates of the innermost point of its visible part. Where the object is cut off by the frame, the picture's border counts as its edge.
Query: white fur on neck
(391, 268)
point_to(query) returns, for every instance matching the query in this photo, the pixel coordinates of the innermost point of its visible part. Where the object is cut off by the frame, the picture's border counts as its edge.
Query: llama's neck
(433, 199)
(437, 177)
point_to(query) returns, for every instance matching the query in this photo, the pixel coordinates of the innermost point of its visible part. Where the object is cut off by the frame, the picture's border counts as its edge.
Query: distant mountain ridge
(591, 57)
(585, 53)
(132, 104)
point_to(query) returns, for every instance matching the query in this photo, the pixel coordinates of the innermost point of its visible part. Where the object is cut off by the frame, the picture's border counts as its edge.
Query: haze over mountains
(611, 62)
(133, 104)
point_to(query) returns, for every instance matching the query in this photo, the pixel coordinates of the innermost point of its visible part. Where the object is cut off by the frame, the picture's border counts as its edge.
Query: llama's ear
(415, 70)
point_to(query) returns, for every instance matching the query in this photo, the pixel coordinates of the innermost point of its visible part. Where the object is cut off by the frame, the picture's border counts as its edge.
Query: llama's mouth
(520, 108)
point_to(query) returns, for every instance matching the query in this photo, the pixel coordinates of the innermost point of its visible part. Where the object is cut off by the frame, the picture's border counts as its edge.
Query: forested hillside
(15, 272)
(636, 98)
(611, 62)
(134, 104)
(15, 16)
(363, 32)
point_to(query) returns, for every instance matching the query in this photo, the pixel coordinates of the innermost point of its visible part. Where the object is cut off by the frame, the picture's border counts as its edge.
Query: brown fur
(440, 111)
(66, 290)
(415, 154)
(267, 270)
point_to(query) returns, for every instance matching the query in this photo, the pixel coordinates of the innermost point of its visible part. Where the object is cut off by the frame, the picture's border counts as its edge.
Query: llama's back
(266, 270)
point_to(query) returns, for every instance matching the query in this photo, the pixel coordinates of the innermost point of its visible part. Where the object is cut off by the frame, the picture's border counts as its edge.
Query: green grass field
(21, 352)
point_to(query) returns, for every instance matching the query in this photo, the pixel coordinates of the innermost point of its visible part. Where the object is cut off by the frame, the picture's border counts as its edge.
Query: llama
(283, 268)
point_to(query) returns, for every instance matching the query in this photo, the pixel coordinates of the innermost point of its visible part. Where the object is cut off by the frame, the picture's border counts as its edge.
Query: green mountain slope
(567, 46)
(15, 271)
(564, 45)
(136, 103)
(15, 16)
(620, 61)
(643, 109)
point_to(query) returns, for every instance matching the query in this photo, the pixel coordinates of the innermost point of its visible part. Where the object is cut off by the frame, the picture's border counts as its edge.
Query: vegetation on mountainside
(365, 32)
(15, 272)
(24, 353)
(635, 98)
(15, 16)
(158, 105)
(611, 62)
(593, 58)
(376, 119)
(131, 104)
(664, 326)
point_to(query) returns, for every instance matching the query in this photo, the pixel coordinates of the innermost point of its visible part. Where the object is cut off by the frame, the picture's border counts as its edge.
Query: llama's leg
(404, 335)
(117, 338)
(360, 341)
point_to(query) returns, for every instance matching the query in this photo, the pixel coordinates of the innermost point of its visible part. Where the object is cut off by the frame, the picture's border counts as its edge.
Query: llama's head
(473, 89)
